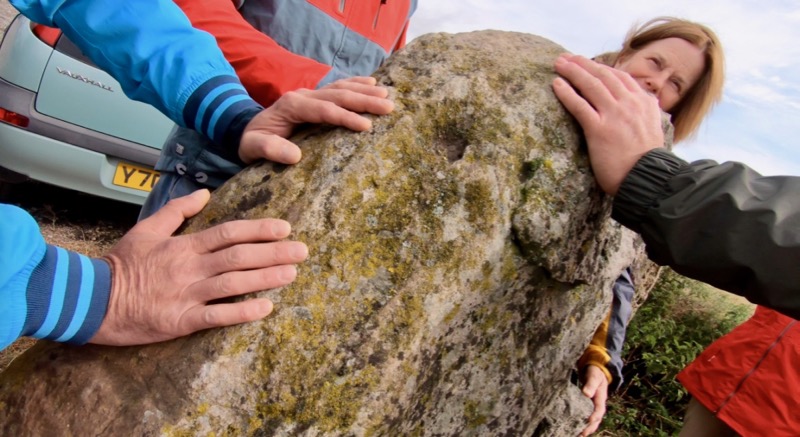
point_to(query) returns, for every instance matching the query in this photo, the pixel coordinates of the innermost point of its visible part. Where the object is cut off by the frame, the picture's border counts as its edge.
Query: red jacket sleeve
(266, 69)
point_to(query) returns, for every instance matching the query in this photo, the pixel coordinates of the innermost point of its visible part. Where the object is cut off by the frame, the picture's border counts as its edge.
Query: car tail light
(13, 118)
(49, 35)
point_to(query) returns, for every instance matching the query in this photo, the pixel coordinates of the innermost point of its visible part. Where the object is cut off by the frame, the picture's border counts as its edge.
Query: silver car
(65, 122)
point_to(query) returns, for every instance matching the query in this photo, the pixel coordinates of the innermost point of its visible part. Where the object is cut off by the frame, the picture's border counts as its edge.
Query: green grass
(680, 318)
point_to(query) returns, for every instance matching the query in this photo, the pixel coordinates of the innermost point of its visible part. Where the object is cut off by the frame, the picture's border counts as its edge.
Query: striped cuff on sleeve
(67, 297)
(214, 107)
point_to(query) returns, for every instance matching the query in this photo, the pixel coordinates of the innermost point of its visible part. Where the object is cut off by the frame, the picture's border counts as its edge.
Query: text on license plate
(135, 176)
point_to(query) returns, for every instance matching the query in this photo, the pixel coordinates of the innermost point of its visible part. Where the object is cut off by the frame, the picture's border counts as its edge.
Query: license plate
(135, 176)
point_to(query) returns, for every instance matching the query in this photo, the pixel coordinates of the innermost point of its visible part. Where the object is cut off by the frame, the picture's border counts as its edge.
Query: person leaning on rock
(681, 63)
(723, 224)
(293, 50)
(151, 286)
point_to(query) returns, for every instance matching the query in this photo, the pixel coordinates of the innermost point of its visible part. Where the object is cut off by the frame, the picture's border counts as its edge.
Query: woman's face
(668, 68)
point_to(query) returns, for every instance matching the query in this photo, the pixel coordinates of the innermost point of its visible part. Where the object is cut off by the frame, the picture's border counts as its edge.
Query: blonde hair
(707, 92)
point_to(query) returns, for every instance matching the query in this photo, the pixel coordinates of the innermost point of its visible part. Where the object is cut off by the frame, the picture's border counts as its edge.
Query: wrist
(217, 107)
(645, 185)
(104, 333)
(233, 136)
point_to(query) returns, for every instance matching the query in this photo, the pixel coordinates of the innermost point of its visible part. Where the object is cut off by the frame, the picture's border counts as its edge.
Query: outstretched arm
(296, 89)
(723, 224)
(150, 287)
(155, 54)
(162, 285)
(601, 363)
(151, 48)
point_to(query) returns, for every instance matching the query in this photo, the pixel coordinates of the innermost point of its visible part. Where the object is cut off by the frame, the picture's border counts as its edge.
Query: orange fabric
(750, 378)
(376, 21)
(596, 353)
(269, 71)
(266, 69)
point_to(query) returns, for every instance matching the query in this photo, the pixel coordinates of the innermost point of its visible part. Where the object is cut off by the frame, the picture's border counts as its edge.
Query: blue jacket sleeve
(152, 50)
(47, 292)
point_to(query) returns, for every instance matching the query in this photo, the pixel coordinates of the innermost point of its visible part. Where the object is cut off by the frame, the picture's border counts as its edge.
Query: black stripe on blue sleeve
(70, 296)
(216, 102)
(39, 291)
(213, 105)
(193, 103)
(67, 296)
(99, 304)
(230, 127)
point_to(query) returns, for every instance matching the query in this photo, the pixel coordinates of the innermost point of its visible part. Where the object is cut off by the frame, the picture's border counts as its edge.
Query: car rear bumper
(63, 154)
(69, 166)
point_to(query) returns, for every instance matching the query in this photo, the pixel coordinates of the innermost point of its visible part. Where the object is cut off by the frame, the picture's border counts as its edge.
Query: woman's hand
(596, 389)
(621, 121)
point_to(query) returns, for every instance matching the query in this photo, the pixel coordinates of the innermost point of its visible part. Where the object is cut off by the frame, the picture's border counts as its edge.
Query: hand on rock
(337, 104)
(596, 389)
(162, 285)
(621, 121)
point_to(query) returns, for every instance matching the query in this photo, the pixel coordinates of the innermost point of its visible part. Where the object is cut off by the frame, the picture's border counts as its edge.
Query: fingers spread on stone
(254, 256)
(239, 283)
(585, 80)
(231, 233)
(361, 85)
(359, 102)
(226, 314)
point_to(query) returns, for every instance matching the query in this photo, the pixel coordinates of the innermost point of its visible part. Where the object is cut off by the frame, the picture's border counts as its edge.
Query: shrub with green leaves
(679, 319)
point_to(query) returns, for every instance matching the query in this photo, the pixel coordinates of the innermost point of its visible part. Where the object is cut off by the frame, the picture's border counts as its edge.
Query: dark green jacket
(723, 224)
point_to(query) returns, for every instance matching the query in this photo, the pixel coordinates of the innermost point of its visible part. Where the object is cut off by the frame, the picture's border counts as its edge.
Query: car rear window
(67, 47)
(50, 35)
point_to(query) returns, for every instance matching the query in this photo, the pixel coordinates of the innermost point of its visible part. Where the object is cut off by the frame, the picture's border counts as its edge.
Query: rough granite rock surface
(461, 258)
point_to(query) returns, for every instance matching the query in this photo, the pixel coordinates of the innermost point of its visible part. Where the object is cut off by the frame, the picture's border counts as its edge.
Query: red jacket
(750, 378)
(277, 46)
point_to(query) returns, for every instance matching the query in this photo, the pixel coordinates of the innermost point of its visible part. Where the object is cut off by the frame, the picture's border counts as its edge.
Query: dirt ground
(79, 222)
(6, 13)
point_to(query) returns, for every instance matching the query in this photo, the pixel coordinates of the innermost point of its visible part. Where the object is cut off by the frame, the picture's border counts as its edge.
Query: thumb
(264, 145)
(590, 388)
(169, 218)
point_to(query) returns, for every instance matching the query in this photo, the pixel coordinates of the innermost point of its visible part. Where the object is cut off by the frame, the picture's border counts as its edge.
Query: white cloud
(763, 93)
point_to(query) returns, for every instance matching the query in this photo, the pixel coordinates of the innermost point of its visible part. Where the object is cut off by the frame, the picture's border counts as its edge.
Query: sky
(756, 121)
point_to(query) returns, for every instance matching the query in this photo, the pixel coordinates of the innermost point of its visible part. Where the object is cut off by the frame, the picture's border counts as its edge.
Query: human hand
(161, 285)
(596, 389)
(336, 104)
(621, 121)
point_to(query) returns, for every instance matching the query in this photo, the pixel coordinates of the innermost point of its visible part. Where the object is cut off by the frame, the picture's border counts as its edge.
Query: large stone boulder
(461, 258)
